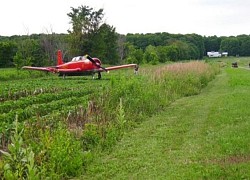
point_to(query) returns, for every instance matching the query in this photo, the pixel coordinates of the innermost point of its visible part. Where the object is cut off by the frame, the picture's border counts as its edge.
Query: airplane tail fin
(59, 57)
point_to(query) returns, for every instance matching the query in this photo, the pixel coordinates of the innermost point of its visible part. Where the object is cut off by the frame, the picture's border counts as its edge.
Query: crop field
(54, 127)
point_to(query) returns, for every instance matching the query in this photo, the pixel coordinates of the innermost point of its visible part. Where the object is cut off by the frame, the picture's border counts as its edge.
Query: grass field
(69, 128)
(197, 137)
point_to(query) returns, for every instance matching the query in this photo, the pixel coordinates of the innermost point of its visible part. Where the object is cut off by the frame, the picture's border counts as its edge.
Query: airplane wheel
(99, 75)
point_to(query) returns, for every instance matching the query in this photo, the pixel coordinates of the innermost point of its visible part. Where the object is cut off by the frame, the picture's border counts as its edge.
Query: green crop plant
(19, 160)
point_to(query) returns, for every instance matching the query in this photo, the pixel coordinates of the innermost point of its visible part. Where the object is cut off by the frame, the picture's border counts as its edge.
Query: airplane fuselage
(83, 65)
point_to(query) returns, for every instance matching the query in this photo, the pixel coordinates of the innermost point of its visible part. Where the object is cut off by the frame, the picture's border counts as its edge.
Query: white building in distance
(217, 54)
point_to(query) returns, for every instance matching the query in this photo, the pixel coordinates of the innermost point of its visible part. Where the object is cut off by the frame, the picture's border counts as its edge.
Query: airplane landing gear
(136, 69)
(99, 75)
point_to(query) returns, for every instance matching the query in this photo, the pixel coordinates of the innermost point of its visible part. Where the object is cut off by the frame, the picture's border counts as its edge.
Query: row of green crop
(48, 81)
(15, 90)
(45, 82)
(33, 98)
(24, 102)
(15, 95)
(38, 110)
(68, 113)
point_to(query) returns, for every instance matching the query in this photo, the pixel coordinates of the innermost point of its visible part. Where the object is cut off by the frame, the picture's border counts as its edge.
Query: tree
(162, 52)
(231, 45)
(7, 52)
(90, 36)
(51, 43)
(121, 42)
(105, 44)
(183, 50)
(245, 48)
(196, 46)
(150, 55)
(29, 53)
(212, 43)
(172, 53)
(85, 24)
(194, 52)
(134, 55)
(244, 45)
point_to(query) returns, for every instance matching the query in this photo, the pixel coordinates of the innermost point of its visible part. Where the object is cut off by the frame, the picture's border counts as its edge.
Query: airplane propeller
(97, 65)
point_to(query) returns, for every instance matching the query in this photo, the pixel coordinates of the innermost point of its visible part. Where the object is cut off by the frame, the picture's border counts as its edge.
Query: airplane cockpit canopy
(78, 58)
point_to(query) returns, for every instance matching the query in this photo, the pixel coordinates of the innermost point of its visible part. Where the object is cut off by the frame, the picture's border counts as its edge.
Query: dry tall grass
(179, 69)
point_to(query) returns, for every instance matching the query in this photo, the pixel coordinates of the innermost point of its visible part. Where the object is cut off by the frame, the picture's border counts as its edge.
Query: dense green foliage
(174, 47)
(63, 123)
(29, 53)
(7, 51)
(189, 46)
(111, 48)
(36, 49)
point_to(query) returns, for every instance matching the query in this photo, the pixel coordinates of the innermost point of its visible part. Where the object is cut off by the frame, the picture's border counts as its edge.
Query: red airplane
(81, 65)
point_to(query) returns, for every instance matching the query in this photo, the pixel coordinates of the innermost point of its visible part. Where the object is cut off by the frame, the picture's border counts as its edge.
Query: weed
(121, 116)
(61, 154)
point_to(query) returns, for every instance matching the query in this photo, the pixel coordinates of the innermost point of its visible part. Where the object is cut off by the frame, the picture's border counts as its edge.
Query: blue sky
(204, 17)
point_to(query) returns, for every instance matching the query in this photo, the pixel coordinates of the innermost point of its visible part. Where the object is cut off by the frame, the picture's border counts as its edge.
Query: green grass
(199, 137)
(7, 74)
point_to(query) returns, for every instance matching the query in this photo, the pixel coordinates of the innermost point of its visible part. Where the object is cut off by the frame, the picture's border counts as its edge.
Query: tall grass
(128, 101)
(182, 78)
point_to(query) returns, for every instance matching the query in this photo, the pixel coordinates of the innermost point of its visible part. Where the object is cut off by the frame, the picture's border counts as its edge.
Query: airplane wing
(119, 67)
(101, 69)
(51, 69)
(46, 69)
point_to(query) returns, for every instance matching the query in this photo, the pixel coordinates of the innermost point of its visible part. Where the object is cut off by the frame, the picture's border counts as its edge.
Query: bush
(61, 153)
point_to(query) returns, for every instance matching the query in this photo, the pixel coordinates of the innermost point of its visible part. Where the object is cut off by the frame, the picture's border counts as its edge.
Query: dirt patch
(234, 159)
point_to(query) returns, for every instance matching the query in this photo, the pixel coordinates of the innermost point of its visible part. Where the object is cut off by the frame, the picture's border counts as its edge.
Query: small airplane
(81, 65)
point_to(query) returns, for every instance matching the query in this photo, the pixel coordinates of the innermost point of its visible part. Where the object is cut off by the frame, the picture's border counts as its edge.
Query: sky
(204, 17)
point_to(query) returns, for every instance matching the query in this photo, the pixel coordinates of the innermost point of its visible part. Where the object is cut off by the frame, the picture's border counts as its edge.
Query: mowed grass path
(200, 137)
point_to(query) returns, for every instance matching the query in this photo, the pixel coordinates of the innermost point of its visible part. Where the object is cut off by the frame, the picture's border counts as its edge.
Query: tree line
(90, 35)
